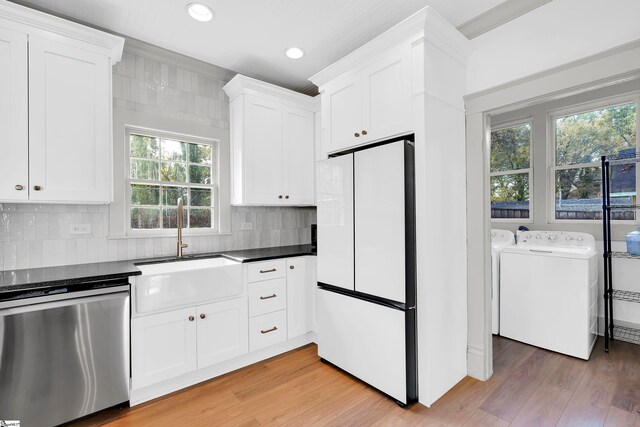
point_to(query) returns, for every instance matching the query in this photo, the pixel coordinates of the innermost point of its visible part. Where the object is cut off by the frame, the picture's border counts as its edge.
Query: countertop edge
(128, 268)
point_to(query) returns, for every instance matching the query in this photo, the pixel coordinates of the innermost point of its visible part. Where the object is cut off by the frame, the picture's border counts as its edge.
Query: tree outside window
(162, 170)
(510, 172)
(579, 142)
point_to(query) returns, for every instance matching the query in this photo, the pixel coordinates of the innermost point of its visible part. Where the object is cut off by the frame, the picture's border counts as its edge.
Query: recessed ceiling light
(294, 53)
(200, 12)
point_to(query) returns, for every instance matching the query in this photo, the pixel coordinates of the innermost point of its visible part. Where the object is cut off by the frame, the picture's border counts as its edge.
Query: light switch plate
(246, 226)
(80, 229)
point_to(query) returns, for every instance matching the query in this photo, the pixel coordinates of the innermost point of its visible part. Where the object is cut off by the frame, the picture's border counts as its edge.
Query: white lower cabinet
(174, 343)
(222, 331)
(164, 346)
(267, 296)
(180, 347)
(268, 329)
(297, 295)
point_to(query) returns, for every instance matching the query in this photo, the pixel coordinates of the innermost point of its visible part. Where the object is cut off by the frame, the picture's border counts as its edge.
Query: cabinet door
(69, 123)
(345, 113)
(163, 346)
(223, 331)
(387, 97)
(298, 156)
(263, 152)
(14, 142)
(297, 306)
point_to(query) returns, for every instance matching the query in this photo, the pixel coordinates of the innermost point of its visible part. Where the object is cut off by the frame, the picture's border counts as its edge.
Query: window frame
(215, 178)
(576, 109)
(529, 170)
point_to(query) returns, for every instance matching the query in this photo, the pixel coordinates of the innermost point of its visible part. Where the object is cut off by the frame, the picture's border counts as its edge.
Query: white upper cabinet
(272, 138)
(342, 112)
(55, 108)
(262, 152)
(386, 96)
(69, 123)
(368, 104)
(298, 157)
(14, 110)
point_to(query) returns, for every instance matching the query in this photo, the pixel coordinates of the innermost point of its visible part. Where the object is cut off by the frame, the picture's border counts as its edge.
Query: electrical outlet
(80, 229)
(246, 226)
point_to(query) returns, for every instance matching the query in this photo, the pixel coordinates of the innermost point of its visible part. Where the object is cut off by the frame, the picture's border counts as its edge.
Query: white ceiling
(250, 36)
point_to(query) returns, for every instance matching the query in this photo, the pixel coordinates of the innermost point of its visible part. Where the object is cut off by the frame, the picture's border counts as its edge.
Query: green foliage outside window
(510, 152)
(584, 138)
(165, 170)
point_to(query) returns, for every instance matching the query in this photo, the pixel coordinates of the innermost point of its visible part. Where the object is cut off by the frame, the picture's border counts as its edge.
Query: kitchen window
(511, 172)
(579, 139)
(163, 168)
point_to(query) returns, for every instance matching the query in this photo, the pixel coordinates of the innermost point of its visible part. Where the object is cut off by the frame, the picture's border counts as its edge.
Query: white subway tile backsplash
(10, 255)
(81, 251)
(71, 251)
(22, 254)
(60, 256)
(14, 226)
(29, 226)
(48, 252)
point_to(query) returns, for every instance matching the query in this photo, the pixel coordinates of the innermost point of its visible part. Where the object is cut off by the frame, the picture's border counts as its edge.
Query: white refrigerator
(367, 266)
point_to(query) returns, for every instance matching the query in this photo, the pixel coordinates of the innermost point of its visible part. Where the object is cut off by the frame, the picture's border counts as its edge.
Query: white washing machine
(549, 291)
(499, 240)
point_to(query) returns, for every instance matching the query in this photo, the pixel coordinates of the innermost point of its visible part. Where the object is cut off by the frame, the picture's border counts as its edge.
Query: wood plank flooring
(530, 387)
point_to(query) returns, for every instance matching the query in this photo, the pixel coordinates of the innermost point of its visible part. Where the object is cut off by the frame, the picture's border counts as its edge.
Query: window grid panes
(579, 141)
(510, 172)
(162, 170)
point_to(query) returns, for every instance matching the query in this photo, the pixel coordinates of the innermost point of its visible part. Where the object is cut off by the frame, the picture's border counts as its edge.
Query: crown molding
(33, 21)
(424, 23)
(243, 85)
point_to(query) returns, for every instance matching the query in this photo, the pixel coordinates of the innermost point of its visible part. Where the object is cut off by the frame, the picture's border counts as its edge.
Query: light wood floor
(530, 387)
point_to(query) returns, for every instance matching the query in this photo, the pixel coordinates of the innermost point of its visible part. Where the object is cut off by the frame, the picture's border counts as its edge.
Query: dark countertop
(263, 254)
(32, 278)
(35, 278)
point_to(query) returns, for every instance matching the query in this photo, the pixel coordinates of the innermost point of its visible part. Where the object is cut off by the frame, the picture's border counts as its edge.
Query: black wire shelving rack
(611, 331)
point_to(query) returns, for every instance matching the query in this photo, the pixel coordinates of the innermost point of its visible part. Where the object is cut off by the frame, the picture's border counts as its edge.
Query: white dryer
(499, 240)
(549, 291)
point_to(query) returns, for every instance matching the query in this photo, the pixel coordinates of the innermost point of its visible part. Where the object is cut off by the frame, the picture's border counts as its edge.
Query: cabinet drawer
(267, 296)
(267, 330)
(267, 270)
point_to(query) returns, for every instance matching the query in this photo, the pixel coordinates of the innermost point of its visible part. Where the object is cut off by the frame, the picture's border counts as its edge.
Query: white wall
(554, 34)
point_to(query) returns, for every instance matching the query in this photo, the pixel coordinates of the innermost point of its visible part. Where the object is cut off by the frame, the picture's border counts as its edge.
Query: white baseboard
(476, 363)
(145, 394)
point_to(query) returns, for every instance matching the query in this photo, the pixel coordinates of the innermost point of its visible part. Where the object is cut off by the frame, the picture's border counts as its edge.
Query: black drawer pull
(269, 297)
(275, 328)
(271, 270)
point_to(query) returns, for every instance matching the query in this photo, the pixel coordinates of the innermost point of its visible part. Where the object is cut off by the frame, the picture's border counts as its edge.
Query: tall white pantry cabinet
(411, 80)
(55, 108)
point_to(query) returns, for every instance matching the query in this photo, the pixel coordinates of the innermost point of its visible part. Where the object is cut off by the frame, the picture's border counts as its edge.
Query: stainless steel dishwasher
(64, 352)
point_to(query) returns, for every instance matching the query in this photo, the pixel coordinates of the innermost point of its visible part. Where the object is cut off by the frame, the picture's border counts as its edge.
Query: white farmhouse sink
(180, 283)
